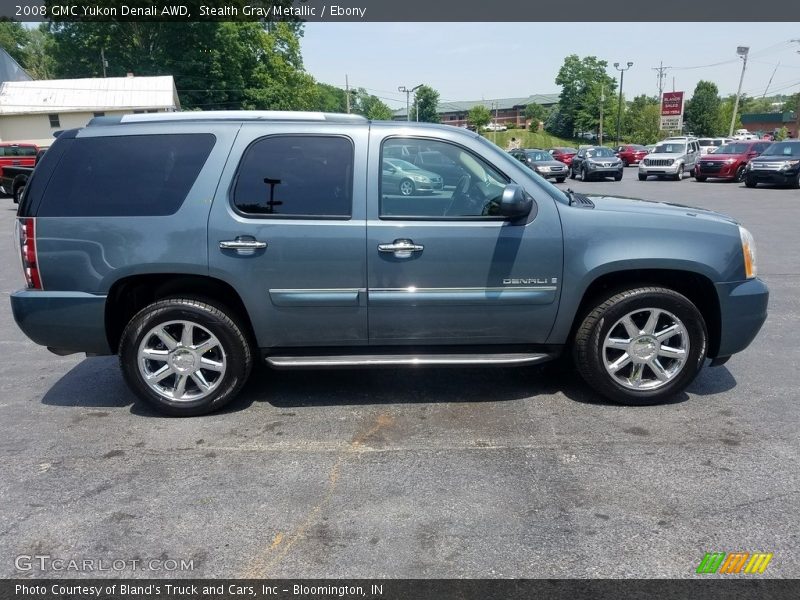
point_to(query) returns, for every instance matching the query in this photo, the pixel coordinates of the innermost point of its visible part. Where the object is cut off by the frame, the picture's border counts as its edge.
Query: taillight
(27, 250)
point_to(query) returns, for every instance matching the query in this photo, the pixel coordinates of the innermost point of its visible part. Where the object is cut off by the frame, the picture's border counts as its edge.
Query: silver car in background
(671, 158)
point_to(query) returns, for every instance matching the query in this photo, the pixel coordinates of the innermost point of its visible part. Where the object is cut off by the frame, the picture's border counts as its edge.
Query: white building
(32, 111)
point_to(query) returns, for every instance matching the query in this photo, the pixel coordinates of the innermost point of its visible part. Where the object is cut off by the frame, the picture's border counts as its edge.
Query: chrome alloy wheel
(646, 349)
(181, 361)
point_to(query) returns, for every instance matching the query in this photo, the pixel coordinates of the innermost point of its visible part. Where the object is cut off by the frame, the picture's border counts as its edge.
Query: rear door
(287, 231)
(443, 268)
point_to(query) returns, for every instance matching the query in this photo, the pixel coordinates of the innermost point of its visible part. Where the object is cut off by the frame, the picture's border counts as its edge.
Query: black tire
(560, 179)
(750, 182)
(588, 351)
(18, 191)
(739, 177)
(691, 172)
(220, 321)
(642, 177)
(409, 187)
(700, 178)
(679, 175)
(618, 177)
(624, 163)
(572, 173)
(584, 174)
(796, 182)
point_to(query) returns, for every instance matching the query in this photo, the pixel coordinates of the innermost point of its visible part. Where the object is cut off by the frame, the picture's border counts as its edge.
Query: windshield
(565, 150)
(402, 164)
(733, 149)
(600, 153)
(539, 156)
(789, 149)
(718, 142)
(704, 142)
(670, 148)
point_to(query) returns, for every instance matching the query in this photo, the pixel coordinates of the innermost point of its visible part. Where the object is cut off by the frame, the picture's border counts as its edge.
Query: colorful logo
(734, 562)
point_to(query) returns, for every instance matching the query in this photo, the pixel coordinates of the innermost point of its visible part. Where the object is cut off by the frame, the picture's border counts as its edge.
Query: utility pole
(404, 90)
(662, 75)
(103, 60)
(619, 106)
(742, 52)
(347, 92)
(602, 101)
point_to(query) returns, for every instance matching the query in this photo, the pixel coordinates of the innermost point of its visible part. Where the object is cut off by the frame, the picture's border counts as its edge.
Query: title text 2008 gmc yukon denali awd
(193, 244)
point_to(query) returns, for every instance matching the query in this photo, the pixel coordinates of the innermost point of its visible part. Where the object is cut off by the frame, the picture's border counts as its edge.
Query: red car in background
(17, 155)
(564, 154)
(729, 161)
(631, 154)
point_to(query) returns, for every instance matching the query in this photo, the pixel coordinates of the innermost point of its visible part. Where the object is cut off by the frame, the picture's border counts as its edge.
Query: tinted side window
(296, 176)
(124, 176)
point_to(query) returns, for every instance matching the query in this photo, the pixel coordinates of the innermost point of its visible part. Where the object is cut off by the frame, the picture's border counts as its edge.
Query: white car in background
(495, 127)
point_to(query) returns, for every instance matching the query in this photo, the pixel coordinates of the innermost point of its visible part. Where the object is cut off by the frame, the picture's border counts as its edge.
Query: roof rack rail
(229, 115)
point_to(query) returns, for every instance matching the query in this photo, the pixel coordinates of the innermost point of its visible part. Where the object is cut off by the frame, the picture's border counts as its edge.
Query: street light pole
(742, 52)
(404, 90)
(619, 107)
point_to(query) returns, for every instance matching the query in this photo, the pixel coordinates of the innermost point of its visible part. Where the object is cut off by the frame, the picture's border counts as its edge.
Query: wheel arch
(129, 295)
(698, 288)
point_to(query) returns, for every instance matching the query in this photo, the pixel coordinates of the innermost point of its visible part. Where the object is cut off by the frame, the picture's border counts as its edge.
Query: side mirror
(515, 203)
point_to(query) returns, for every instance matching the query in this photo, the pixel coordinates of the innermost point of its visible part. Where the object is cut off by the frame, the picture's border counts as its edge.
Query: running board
(408, 360)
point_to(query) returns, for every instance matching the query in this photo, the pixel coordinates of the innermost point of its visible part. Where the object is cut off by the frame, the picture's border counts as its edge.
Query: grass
(529, 139)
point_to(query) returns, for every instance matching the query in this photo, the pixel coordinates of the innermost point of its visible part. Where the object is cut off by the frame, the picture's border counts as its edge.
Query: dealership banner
(700, 588)
(383, 10)
(672, 111)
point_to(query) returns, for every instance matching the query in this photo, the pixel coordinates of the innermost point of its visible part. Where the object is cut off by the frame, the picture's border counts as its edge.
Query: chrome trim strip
(510, 288)
(297, 362)
(489, 296)
(335, 297)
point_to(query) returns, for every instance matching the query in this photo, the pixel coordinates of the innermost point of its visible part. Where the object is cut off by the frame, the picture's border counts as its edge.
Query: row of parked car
(751, 161)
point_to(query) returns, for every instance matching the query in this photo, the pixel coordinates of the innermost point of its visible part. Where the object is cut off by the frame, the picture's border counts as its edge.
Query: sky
(473, 61)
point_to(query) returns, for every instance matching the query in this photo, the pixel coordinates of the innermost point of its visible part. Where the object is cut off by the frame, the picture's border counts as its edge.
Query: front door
(444, 268)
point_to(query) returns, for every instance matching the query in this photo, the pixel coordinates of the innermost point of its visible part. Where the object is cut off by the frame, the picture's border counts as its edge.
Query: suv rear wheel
(185, 356)
(641, 346)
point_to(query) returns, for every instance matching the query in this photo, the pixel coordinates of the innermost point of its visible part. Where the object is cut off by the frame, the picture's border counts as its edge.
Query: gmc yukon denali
(272, 236)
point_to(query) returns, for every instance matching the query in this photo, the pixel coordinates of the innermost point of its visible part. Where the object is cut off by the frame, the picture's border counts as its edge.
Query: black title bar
(400, 11)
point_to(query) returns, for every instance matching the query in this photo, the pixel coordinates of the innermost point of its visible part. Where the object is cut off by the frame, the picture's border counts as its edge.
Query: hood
(713, 156)
(653, 208)
(546, 163)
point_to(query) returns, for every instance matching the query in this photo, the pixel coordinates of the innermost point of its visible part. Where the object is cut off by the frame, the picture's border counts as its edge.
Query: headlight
(749, 252)
(789, 164)
(543, 169)
(671, 161)
(730, 161)
(749, 166)
(420, 178)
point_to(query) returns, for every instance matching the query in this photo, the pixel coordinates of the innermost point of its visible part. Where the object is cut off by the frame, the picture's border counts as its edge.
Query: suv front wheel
(641, 346)
(184, 356)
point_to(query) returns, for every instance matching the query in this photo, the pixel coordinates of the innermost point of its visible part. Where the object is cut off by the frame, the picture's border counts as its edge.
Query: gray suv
(195, 244)
(671, 158)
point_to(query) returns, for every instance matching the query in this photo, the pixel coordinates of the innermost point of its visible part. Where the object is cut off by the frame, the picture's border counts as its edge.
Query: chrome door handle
(242, 245)
(401, 248)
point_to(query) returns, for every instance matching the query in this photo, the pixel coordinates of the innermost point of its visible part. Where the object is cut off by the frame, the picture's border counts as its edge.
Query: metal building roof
(80, 95)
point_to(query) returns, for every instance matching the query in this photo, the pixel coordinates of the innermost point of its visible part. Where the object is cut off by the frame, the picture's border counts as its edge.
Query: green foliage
(13, 39)
(703, 110)
(536, 113)
(582, 82)
(527, 139)
(370, 106)
(216, 65)
(427, 99)
(330, 98)
(781, 134)
(31, 48)
(479, 116)
(642, 120)
(725, 114)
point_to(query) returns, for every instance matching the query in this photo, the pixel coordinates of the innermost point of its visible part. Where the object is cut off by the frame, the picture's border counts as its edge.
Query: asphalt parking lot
(416, 473)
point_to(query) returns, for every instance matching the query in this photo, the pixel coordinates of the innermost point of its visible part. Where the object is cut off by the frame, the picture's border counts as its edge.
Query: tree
(426, 100)
(643, 120)
(582, 81)
(371, 106)
(703, 110)
(479, 116)
(330, 98)
(13, 39)
(216, 65)
(536, 113)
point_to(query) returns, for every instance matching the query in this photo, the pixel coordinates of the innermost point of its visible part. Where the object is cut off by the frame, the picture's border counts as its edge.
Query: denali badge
(528, 281)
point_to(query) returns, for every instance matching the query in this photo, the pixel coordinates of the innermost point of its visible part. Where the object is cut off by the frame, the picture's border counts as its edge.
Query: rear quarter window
(125, 176)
